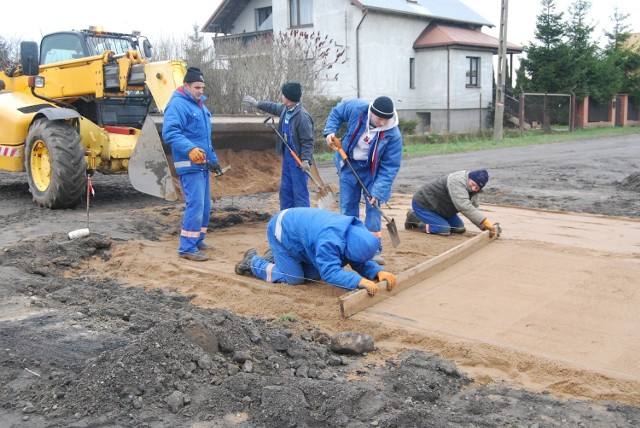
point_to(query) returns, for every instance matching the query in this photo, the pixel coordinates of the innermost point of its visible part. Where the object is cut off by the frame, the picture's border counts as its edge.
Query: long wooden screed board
(358, 300)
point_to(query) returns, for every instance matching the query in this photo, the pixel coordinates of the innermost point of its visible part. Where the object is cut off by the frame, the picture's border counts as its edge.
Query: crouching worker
(310, 243)
(437, 203)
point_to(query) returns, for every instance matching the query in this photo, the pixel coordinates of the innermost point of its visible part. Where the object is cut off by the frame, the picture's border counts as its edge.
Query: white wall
(384, 63)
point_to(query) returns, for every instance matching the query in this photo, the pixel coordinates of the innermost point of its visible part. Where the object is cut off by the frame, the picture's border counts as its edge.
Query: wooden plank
(357, 300)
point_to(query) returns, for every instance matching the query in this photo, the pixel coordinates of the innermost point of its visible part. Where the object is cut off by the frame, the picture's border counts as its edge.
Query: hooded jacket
(187, 125)
(329, 241)
(385, 151)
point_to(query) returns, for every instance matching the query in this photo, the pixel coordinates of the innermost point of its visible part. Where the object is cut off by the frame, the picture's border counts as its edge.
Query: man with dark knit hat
(437, 203)
(296, 127)
(187, 130)
(373, 144)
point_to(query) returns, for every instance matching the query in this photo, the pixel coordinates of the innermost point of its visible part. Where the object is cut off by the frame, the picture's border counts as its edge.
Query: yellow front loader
(81, 104)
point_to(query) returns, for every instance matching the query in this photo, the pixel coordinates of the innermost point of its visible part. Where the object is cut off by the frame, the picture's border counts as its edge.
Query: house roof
(224, 16)
(449, 10)
(438, 35)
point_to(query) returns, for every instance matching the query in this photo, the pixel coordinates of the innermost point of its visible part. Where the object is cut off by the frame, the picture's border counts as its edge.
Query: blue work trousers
(435, 222)
(350, 194)
(289, 267)
(197, 195)
(294, 189)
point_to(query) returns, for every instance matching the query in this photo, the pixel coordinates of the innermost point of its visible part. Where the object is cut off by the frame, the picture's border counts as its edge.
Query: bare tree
(262, 65)
(9, 53)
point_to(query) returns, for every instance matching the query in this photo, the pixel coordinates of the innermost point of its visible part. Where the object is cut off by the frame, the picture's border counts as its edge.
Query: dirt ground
(537, 329)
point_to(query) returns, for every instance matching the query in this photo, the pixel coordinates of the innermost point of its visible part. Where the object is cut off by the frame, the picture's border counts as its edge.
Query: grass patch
(288, 317)
(438, 144)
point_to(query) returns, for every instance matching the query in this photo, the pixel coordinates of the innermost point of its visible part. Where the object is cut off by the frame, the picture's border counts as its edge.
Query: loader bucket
(149, 169)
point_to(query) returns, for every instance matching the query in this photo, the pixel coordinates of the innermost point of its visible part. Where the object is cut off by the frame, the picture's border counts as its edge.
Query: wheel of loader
(55, 164)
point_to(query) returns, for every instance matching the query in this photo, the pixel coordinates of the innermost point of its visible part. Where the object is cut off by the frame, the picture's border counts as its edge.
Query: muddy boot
(244, 267)
(268, 256)
(378, 259)
(412, 221)
(461, 229)
(196, 256)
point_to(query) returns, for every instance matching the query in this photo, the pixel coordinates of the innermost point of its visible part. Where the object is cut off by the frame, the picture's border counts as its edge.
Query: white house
(429, 56)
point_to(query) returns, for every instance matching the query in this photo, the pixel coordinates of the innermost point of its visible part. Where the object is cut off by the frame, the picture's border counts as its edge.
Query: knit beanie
(292, 91)
(382, 107)
(480, 176)
(194, 74)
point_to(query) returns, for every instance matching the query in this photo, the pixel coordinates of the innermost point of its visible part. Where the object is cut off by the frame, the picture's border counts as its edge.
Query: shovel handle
(336, 144)
(293, 153)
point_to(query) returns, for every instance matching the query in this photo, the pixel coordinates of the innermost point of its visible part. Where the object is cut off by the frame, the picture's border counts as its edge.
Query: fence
(538, 110)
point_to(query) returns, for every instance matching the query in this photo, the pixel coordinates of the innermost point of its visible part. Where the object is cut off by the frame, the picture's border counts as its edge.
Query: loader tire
(55, 164)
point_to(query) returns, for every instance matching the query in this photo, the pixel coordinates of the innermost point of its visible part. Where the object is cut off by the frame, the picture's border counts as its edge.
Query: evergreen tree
(622, 58)
(546, 63)
(585, 71)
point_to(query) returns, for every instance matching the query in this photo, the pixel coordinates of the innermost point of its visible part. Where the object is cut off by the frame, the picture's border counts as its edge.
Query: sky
(157, 21)
(521, 22)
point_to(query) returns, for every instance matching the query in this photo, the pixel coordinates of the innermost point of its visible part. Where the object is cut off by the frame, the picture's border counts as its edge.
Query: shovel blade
(149, 170)
(393, 233)
(326, 198)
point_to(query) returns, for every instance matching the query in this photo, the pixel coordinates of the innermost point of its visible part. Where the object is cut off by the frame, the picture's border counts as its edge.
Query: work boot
(443, 233)
(268, 256)
(412, 221)
(460, 229)
(205, 247)
(244, 267)
(196, 256)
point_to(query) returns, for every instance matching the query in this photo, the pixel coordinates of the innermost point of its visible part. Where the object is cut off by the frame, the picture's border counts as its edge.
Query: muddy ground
(81, 346)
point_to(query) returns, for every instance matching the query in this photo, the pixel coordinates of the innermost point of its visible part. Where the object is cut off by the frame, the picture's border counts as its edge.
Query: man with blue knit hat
(437, 203)
(296, 127)
(373, 144)
(312, 243)
(187, 130)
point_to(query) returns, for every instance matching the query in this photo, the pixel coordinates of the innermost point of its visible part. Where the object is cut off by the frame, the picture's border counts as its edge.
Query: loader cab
(116, 107)
(70, 45)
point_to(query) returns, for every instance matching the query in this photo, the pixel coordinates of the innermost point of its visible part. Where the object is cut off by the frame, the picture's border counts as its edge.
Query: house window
(412, 73)
(473, 73)
(263, 19)
(300, 12)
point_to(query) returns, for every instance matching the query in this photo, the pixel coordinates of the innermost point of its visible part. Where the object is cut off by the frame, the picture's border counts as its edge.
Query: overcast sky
(157, 19)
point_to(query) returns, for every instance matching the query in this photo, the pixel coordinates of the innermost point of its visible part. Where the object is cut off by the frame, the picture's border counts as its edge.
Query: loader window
(60, 47)
(97, 45)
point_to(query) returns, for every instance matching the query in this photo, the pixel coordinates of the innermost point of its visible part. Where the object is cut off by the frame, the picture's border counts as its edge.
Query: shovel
(391, 223)
(326, 197)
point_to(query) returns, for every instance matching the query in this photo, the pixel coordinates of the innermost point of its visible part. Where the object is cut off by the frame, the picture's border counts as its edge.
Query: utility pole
(502, 65)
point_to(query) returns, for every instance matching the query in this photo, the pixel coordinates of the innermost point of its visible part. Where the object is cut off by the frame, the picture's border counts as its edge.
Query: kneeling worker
(437, 203)
(310, 243)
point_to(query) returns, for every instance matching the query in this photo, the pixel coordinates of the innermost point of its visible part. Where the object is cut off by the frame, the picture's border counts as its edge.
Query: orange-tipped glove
(490, 227)
(368, 285)
(389, 277)
(197, 155)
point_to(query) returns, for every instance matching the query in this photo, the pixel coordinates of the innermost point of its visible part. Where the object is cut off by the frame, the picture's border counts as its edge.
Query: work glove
(197, 155)
(491, 228)
(368, 285)
(305, 166)
(215, 168)
(389, 277)
(248, 100)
